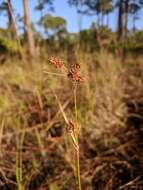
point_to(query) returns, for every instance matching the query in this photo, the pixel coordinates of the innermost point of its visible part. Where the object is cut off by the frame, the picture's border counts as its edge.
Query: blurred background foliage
(36, 152)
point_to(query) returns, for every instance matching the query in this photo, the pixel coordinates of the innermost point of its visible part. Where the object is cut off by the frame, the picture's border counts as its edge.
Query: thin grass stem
(77, 139)
(56, 74)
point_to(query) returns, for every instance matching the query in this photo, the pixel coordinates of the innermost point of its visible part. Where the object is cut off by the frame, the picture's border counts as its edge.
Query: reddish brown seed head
(70, 126)
(75, 74)
(58, 63)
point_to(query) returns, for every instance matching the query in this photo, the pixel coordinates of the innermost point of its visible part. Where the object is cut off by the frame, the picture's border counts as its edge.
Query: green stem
(77, 140)
(20, 140)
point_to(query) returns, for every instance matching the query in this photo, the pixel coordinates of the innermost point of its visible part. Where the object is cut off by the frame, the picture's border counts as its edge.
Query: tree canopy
(53, 22)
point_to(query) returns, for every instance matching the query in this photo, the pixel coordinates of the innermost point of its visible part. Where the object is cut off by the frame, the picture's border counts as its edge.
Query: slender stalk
(77, 139)
(19, 162)
(19, 156)
(40, 142)
(56, 74)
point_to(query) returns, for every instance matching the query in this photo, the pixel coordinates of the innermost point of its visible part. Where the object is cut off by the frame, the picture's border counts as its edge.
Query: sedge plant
(73, 74)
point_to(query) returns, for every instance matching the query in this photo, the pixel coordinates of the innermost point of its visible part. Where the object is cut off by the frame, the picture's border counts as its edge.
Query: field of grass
(68, 129)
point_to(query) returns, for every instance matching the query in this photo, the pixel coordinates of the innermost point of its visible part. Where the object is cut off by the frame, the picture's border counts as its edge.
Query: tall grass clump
(110, 109)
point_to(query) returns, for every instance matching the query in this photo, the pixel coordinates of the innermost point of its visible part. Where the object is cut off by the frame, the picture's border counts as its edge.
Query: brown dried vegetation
(110, 107)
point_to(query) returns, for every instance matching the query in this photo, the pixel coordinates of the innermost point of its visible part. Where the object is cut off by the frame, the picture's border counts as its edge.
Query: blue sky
(69, 13)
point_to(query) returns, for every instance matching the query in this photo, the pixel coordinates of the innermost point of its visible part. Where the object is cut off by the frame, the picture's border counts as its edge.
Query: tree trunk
(102, 19)
(126, 18)
(107, 24)
(134, 23)
(98, 19)
(120, 20)
(28, 28)
(11, 26)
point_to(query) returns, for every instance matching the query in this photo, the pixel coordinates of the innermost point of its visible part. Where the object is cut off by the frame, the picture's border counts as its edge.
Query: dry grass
(36, 150)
